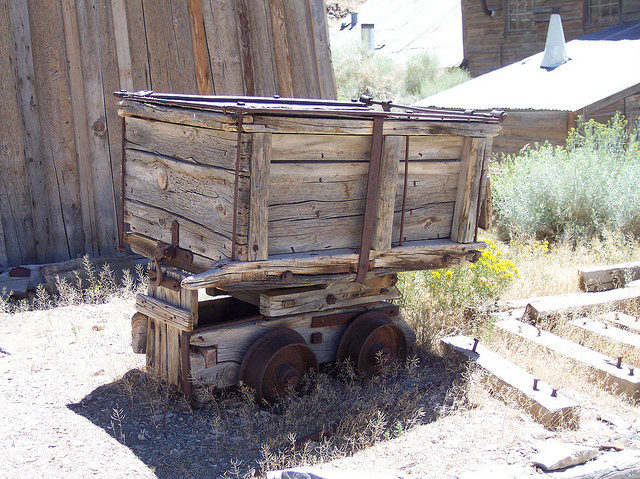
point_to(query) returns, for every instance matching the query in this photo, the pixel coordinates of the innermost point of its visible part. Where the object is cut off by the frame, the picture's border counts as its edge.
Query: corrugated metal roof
(622, 31)
(596, 70)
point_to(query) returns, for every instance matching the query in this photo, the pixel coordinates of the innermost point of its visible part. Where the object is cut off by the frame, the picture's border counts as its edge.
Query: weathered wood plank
(199, 45)
(193, 192)
(123, 48)
(328, 126)
(21, 232)
(139, 328)
(617, 379)
(281, 48)
(466, 209)
(302, 54)
(258, 232)
(78, 107)
(57, 151)
(261, 49)
(578, 302)
(413, 255)
(169, 46)
(188, 143)
(553, 411)
(392, 149)
(221, 28)
(140, 75)
(603, 278)
(180, 318)
(318, 26)
(287, 301)
(95, 127)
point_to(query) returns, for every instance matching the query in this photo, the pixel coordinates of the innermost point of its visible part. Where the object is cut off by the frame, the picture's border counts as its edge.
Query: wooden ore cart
(294, 216)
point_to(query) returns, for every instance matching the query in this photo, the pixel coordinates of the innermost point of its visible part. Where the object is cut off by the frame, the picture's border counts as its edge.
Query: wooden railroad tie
(542, 401)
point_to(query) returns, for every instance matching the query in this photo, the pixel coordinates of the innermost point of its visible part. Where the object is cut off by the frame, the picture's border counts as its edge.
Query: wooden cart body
(292, 207)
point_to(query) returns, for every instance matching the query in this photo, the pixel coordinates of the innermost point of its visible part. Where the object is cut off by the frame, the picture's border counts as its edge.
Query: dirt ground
(70, 396)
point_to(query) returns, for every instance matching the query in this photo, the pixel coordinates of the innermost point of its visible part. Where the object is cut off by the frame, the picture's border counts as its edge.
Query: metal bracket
(172, 252)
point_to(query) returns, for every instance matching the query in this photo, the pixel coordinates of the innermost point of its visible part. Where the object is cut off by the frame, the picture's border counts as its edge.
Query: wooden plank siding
(527, 127)
(488, 45)
(62, 60)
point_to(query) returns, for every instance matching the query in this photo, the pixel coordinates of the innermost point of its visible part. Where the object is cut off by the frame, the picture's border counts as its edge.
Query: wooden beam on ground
(427, 254)
(594, 329)
(552, 411)
(619, 379)
(626, 321)
(604, 278)
(571, 303)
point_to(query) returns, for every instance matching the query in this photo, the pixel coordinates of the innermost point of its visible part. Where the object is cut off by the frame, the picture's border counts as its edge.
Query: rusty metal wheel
(369, 337)
(276, 361)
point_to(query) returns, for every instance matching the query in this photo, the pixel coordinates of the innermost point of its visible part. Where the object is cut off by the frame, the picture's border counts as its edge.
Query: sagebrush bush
(574, 192)
(428, 296)
(358, 71)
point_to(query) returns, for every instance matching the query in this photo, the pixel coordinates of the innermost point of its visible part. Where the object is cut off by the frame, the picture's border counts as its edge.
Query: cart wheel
(275, 361)
(368, 336)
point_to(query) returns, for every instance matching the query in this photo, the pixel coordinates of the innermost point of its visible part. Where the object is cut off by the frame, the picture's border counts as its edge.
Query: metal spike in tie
(554, 393)
(619, 364)
(475, 344)
(631, 370)
(535, 384)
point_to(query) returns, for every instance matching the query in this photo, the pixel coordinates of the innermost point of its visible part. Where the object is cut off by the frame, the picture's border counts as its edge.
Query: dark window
(603, 12)
(519, 15)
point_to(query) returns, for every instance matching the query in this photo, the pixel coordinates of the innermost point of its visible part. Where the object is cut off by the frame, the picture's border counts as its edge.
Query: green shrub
(428, 295)
(575, 192)
(384, 78)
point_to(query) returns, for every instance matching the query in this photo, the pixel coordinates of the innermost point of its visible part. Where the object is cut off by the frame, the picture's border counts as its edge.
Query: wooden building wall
(60, 140)
(522, 127)
(488, 45)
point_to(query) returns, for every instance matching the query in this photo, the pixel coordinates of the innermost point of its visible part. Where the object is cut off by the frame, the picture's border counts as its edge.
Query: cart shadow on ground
(219, 434)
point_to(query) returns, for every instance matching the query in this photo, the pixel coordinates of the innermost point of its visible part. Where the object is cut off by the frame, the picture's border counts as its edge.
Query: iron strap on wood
(373, 178)
(236, 188)
(404, 189)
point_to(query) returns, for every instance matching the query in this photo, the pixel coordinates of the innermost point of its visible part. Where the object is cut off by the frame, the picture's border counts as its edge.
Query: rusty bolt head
(287, 276)
(331, 299)
(447, 259)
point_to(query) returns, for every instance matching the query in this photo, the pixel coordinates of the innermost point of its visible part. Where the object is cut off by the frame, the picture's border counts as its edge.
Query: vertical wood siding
(61, 60)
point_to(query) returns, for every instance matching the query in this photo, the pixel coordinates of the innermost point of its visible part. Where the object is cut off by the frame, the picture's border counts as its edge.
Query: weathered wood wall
(488, 45)
(62, 59)
(522, 127)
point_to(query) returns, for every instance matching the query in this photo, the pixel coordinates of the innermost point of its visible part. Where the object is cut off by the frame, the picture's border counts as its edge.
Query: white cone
(555, 53)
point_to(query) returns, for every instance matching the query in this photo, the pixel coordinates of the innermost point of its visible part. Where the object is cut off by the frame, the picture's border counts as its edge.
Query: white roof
(596, 69)
(404, 28)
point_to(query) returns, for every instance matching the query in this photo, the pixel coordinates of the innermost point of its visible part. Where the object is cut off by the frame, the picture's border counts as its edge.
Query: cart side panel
(318, 185)
(186, 173)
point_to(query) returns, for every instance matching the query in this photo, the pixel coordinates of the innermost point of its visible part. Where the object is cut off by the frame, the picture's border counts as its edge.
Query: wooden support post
(392, 153)
(554, 411)
(618, 379)
(465, 213)
(258, 248)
